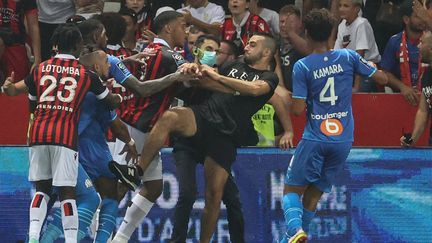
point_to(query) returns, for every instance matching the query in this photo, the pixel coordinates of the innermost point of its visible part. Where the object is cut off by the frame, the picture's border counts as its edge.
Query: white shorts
(154, 170)
(115, 149)
(53, 162)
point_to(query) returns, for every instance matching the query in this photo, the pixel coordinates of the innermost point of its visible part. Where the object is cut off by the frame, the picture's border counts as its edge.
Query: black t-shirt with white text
(232, 114)
(427, 87)
(289, 56)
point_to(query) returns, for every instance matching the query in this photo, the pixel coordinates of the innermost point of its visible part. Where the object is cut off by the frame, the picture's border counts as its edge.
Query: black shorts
(211, 142)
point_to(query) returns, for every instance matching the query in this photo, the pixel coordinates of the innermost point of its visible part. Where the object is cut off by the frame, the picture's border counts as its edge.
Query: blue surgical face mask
(208, 58)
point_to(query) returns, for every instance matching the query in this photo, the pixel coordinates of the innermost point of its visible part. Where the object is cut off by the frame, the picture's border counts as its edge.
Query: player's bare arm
(420, 122)
(380, 77)
(282, 112)
(150, 87)
(121, 132)
(298, 106)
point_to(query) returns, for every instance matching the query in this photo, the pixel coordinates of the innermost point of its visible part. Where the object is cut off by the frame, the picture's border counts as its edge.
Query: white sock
(38, 211)
(70, 220)
(135, 214)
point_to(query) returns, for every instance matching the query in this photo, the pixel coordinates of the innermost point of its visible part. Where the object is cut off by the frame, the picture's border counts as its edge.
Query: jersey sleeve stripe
(299, 97)
(373, 72)
(32, 97)
(103, 95)
(304, 65)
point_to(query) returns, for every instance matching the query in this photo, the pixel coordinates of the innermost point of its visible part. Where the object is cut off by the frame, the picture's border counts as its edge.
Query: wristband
(131, 142)
(2, 89)
(121, 97)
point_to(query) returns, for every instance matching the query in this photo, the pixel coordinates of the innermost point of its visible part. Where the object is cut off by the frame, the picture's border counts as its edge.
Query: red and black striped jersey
(58, 86)
(12, 15)
(254, 23)
(143, 112)
(121, 53)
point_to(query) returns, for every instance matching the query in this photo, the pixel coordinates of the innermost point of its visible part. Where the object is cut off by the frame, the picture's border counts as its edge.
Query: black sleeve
(271, 78)
(427, 77)
(29, 5)
(96, 86)
(30, 83)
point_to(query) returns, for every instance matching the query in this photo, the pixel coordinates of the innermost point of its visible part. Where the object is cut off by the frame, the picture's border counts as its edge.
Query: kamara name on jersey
(322, 72)
(60, 69)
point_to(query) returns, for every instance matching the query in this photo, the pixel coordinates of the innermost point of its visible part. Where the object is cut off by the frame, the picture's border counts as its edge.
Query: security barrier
(383, 195)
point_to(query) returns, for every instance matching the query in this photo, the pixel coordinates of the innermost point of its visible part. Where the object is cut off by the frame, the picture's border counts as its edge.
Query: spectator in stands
(401, 56)
(88, 8)
(14, 36)
(293, 45)
(270, 16)
(355, 33)
(144, 19)
(204, 15)
(425, 107)
(129, 39)
(193, 35)
(242, 24)
(228, 52)
(51, 15)
(424, 12)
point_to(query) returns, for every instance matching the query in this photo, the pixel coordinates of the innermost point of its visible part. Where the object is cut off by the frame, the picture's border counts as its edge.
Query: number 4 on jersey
(328, 86)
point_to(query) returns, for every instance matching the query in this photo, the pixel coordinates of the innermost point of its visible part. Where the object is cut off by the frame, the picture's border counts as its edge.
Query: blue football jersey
(325, 81)
(95, 119)
(118, 70)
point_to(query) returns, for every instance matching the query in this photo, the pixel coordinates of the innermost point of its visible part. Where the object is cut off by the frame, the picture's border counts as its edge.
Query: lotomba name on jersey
(322, 72)
(54, 107)
(60, 69)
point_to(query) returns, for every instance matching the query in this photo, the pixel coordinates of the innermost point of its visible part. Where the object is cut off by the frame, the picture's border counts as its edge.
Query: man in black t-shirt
(425, 106)
(221, 123)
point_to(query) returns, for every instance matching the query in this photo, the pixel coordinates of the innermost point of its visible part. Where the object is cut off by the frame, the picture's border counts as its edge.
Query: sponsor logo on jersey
(179, 60)
(122, 68)
(331, 127)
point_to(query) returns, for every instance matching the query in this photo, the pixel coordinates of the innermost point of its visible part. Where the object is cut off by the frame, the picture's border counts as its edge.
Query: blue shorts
(95, 158)
(317, 163)
(84, 186)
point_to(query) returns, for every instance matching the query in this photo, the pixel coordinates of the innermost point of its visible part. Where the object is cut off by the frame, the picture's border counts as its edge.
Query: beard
(416, 28)
(252, 59)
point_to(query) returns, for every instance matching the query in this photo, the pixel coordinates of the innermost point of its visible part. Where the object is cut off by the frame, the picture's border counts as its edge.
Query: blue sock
(54, 228)
(293, 211)
(107, 220)
(307, 218)
(87, 206)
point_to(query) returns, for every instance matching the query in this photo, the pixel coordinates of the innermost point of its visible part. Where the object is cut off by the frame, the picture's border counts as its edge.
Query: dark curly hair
(319, 24)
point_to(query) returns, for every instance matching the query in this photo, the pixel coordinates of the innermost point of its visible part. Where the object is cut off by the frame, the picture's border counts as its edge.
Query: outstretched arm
(121, 132)
(254, 88)
(282, 112)
(150, 87)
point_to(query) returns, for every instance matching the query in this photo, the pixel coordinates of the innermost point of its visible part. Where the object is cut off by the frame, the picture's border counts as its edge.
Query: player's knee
(168, 119)
(214, 194)
(152, 190)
